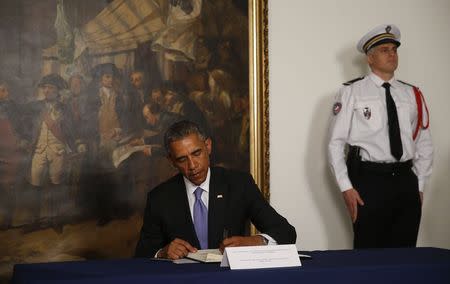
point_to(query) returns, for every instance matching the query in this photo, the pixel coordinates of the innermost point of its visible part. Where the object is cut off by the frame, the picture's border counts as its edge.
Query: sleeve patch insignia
(337, 108)
(367, 113)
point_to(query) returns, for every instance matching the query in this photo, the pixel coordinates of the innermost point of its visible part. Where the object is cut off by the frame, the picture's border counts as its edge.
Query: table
(399, 265)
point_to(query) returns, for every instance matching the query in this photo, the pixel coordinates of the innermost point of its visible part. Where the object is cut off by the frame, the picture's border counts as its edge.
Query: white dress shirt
(360, 119)
(190, 188)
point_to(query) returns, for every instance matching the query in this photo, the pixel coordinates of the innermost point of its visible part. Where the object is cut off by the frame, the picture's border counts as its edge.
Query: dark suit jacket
(167, 215)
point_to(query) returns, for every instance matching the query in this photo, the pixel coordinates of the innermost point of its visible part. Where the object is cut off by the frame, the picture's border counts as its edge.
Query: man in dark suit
(205, 207)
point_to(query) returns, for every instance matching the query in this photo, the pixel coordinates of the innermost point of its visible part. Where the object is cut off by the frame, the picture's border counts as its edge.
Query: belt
(386, 167)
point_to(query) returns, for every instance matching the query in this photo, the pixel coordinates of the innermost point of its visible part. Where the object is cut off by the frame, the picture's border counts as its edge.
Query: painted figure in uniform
(12, 150)
(52, 140)
(104, 125)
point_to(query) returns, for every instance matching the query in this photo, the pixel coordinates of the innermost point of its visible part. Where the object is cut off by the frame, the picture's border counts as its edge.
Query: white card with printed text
(254, 257)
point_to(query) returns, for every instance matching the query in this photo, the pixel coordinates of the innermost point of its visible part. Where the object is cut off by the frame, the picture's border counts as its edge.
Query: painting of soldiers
(82, 123)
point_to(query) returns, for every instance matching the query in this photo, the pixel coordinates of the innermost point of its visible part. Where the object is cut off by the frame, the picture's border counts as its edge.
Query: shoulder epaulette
(408, 84)
(348, 83)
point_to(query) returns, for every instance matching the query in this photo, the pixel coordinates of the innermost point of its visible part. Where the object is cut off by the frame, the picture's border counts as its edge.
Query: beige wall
(311, 52)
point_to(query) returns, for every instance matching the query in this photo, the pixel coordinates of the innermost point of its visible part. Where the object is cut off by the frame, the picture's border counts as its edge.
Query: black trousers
(391, 213)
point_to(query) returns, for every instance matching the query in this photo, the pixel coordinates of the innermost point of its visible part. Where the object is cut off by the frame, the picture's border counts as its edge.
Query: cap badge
(337, 108)
(388, 29)
(367, 113)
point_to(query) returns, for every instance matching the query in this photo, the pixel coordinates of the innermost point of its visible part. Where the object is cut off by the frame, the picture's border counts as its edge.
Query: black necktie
(394, 129)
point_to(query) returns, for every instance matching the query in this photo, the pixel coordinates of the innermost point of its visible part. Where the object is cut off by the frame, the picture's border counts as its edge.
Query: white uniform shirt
(360, 118)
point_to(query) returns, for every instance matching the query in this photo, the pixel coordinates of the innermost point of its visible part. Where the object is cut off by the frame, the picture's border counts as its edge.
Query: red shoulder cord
(419, 100)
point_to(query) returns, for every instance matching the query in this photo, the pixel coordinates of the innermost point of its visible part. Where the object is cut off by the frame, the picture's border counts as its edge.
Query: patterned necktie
(201, 219)
(395, 140)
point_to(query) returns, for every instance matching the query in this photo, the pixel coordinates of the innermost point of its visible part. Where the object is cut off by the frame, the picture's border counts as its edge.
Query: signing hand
(242, 241)
(352, 200)
(176, 249)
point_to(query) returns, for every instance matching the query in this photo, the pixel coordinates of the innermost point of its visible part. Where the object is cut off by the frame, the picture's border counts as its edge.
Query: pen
(226, 233)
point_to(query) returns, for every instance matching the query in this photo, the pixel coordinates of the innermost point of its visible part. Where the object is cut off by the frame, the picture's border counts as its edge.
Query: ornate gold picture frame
(259, 94)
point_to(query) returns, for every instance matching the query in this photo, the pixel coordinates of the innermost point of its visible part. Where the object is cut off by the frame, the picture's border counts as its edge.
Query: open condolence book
(206, 255)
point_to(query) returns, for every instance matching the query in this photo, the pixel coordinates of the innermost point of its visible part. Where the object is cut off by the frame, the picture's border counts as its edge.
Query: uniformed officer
(384, 123)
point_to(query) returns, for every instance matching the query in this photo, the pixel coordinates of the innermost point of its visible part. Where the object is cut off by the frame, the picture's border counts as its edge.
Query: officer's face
(107, 80)
(383, 58)
(169, 98)
(156, 95)
(190, 155)
(50, 91)
(137, 79)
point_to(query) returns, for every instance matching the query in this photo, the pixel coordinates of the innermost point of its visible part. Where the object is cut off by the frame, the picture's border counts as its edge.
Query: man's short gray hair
(180, 130)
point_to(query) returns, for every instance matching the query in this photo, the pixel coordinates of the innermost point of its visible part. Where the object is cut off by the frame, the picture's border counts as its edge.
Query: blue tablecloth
(416, 265)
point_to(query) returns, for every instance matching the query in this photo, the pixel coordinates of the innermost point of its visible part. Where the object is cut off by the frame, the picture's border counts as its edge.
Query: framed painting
(87, 89)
